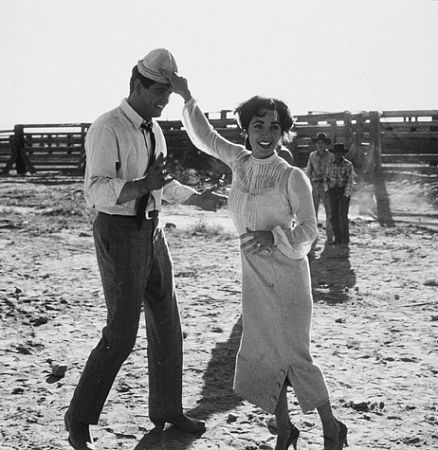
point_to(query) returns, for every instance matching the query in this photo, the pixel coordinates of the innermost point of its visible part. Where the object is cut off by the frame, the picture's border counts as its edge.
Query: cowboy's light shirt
(269, 194)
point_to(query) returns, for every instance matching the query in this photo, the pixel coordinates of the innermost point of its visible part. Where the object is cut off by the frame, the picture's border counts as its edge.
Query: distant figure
(266, 195)
(20, 165)
(286, 154)
(316, 169)
(338, 183)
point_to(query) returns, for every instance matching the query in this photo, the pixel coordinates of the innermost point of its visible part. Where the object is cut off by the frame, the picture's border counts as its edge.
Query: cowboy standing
(316, 169)
(338, 183)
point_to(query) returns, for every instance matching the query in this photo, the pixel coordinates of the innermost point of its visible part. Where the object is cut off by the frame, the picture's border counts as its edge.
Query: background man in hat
(125, 181)
(316, 169)
(338, 182)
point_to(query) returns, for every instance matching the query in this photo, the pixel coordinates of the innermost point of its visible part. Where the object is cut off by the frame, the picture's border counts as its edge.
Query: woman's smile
(264, 133)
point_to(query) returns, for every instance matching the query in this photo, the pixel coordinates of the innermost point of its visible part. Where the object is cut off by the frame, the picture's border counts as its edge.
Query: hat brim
(339, 151)
(326, 141)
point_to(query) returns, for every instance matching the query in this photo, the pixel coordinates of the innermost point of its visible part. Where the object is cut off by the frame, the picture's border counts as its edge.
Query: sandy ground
(374, 330)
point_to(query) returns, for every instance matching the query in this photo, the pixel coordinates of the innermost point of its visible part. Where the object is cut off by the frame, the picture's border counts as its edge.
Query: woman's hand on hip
(257, 241)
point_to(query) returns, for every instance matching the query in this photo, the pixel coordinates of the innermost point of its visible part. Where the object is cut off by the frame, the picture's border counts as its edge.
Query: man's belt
(151, 214)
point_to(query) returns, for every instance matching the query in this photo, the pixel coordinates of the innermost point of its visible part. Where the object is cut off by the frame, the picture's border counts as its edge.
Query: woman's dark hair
(247, 110)
(136, 75)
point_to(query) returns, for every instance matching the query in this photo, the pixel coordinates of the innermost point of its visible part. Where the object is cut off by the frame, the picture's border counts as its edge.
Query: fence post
(376, 139)
(18, 156)
(359, 129)
(333, 130)
(348, 131)
(20, 163)
(82, 159)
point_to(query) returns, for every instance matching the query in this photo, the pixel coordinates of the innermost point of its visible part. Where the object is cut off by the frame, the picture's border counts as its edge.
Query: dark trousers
(339, 205)
(136, 270)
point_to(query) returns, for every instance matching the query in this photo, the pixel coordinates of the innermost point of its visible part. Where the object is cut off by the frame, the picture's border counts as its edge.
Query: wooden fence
(44, 147)
(391, 140)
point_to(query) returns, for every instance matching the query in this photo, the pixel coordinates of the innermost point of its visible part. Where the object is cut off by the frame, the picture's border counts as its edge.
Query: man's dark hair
(136, 75)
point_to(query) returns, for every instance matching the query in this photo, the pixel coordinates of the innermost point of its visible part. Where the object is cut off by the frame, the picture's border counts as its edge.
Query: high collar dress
(269, 194)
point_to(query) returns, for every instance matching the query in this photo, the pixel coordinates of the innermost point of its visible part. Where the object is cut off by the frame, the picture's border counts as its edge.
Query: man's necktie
(141, 208)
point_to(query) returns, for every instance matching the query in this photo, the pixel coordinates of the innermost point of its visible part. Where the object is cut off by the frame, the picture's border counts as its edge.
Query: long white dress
(269, 194)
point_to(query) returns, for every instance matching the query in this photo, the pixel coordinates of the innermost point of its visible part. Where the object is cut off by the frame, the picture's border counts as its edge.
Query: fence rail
(388, 140)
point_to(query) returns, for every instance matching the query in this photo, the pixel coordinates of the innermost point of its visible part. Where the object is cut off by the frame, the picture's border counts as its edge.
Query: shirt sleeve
(309, 167)
(326, 179)
(175, 192)
(297, 241)
(206, 138)
(349, 186)
(102, 184)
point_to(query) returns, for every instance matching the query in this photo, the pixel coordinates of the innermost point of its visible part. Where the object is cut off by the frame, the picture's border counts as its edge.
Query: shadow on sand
(217, 395)
(332, 275)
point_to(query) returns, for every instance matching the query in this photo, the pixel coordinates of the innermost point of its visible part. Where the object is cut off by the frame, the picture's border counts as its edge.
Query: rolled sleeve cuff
(103, 192)
(281, 242)
(117, 186)
(175, 192)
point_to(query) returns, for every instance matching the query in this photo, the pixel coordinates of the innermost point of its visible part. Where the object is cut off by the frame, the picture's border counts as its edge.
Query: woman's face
(264, 133)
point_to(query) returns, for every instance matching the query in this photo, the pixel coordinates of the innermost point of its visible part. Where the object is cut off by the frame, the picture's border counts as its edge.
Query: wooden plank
(409, 158)
(54, 149)
(47, 141)
(401, 123)
(410, 129)
(324, 117)
(55, 125)
(403, 148)
(411, 112)
(408, 140)
(56, 162)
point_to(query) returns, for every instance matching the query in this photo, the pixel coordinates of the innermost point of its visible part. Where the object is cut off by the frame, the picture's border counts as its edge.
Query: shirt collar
(267, 160)
(132, 115)
(325, 153)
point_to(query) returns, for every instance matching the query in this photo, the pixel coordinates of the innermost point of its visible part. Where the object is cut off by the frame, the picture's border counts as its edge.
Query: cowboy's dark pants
(339, 205)
(136, 270)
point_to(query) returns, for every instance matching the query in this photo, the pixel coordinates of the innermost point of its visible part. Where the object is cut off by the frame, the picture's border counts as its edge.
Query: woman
(266, 195)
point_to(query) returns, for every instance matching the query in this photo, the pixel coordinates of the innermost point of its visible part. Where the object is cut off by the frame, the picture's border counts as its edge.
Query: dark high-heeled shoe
(293, 437)
(342, 438)
(294, 434)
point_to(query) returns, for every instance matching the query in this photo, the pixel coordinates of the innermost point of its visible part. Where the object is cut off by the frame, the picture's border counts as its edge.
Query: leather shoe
(182, 422)
(79, 434)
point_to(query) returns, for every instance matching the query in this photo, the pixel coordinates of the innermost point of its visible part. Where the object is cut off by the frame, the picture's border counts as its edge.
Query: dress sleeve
(206, 138)
(296, 242)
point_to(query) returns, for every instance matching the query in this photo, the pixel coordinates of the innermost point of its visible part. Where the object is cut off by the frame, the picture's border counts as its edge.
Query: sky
(65, 61)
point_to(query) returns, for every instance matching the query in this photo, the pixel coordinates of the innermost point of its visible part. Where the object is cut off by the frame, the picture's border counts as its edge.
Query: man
(338, 183)
(125, 185)
(316, 169)
(286, 154)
